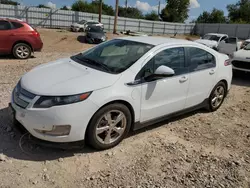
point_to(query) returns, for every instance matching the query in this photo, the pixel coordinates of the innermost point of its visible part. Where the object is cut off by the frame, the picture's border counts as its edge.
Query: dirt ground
(196, 150)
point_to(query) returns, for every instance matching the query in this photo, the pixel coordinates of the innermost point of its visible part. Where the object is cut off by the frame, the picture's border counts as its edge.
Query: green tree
(130, 12)
(152, 16)
(9, 2)
(215, 16)
(175, 11)
(239, 12)
(64, 8)
(42, 6)
(92, 7)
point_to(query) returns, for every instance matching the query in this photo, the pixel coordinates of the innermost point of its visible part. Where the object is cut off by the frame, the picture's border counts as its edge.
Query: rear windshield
(211, 37)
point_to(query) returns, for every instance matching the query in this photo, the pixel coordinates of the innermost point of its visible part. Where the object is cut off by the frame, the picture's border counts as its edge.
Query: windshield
(247, 47)
(114, 56)
(82, 22)
(211, 37)
(95, 29)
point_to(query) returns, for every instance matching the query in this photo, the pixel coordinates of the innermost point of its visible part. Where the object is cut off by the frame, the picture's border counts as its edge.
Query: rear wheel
(22, 51)
(217, 96)
(109, 126)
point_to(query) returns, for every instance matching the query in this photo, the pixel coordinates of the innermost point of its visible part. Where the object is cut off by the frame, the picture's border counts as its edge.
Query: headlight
(49, 101)
(103, 38)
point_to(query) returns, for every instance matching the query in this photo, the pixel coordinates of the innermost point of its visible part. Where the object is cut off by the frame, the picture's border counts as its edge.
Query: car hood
(209, 43)
(65, 77)
(96, 35)
(242, 54)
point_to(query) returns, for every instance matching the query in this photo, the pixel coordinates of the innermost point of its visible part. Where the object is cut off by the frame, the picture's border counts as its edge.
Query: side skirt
(139, 125)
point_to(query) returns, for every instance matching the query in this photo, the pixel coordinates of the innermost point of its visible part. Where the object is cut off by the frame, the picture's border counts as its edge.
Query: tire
(22, 51)
(217, 90)
(81, 30)
(100, 131)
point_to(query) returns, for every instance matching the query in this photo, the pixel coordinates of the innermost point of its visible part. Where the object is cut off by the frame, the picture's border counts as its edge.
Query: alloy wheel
(22, 52)
(111, 127)
(218, 96)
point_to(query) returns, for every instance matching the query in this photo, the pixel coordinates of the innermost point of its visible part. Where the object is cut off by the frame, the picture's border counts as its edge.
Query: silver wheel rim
(111, 127)
(218, 96)
(22, 52)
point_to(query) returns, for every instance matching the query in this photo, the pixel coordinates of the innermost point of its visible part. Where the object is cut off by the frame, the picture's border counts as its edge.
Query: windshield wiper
(95, 62)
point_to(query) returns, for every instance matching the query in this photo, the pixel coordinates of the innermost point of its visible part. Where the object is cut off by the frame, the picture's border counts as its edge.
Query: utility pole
(116, 15)
(126, 4)
(159, 7)
(100, 11)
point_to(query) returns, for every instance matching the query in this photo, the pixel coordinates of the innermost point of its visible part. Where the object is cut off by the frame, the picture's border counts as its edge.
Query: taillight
(227, 62)
(35, 33)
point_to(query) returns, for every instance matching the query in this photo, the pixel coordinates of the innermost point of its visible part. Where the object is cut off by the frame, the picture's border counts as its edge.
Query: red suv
(18, 38)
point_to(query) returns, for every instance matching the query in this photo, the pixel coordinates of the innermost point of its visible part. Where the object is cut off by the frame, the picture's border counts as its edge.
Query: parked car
(213, 40)
(95, 35)
(245, 43)
(241, 59)
(83, 24)
(122, 84)
(18, 38)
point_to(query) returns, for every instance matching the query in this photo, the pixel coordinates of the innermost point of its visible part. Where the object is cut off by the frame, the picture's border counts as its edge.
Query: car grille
(97, 41)
(22, 97)
(241, 64)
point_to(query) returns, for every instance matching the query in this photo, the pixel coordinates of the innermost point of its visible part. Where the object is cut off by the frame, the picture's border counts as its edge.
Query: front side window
(173, 58)
(4, 25)
(200, 59)
(114, 56)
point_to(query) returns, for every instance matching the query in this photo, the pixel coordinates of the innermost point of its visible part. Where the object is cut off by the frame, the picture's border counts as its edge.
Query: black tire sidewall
(211, 108)
(90, 134)
(18, 45)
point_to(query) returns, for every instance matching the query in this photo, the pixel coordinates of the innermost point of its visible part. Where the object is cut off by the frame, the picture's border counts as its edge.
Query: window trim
(189, 59)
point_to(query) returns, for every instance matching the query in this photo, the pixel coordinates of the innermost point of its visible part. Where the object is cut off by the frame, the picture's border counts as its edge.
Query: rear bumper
(38, 46)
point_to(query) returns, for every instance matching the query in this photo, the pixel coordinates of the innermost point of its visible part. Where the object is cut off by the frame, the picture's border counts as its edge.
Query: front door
(167, 95)
(228, 46)
(202, 74)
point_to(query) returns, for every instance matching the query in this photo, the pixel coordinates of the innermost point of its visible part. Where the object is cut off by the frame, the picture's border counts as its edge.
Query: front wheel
(109, 126)
(22, 51)
(217, 96)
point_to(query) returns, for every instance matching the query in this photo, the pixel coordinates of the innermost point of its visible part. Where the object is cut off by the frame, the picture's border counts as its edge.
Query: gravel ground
(196, 150)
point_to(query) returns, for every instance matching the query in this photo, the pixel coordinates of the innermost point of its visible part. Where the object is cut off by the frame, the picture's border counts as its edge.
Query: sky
(196, 6)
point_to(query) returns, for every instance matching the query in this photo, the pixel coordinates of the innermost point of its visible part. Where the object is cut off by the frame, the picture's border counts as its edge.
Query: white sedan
(122, 84)
(83, 24)
(241, 59)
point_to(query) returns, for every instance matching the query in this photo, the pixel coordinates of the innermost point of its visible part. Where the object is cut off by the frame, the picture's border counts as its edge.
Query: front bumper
(94, 40)
(74, 29)
(76, 115)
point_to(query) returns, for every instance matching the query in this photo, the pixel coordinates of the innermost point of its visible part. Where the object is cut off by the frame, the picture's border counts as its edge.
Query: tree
(92, 7)
(42, 6)
(239, 12)
(130, 12)
(175, 11)
(216, 16)
(152, 16)
(9, 2)
(64, 8)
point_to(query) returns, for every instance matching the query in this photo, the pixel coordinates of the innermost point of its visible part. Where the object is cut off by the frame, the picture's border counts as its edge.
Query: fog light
(57, 130)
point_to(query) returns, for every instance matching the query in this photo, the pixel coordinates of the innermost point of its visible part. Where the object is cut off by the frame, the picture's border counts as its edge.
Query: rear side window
(16, 25)
(200, 59)
(4, 25)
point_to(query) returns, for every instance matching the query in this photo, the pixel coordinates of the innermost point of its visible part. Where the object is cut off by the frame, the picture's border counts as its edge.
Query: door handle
(211, 72)
(183, 79)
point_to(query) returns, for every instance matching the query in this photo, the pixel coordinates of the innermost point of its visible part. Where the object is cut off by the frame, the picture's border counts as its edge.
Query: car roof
(217, 34)
(157, 40)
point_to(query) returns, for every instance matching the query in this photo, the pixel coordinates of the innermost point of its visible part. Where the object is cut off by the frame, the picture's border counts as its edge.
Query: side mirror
(160, 72)
(164, 71)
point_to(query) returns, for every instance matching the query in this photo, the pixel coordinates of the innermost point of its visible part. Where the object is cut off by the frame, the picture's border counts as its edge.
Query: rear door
(202, 75)
(5, 38)
(228, 46)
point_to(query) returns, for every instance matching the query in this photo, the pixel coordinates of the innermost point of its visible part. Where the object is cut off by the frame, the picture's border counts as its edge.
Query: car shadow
(11, 57)
(22, 146)
(241, 79)
(81, 39)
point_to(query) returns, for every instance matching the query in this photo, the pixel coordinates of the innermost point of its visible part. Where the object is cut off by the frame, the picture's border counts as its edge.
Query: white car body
(212, 43)
(148, 101)
(241, 60)
(83, 24)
